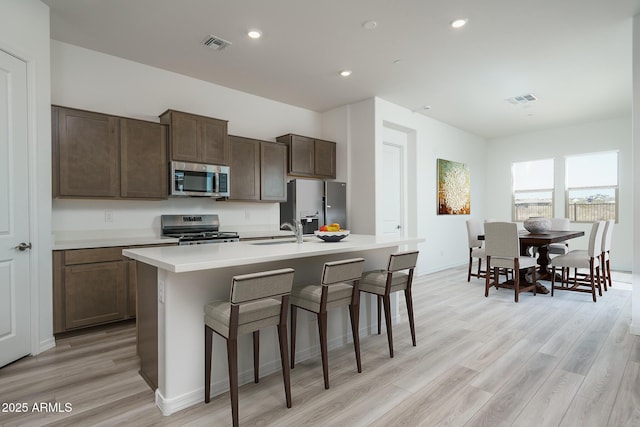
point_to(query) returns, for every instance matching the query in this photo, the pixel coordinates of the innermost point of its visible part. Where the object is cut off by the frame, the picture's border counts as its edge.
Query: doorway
(15, 283)
(394, 183)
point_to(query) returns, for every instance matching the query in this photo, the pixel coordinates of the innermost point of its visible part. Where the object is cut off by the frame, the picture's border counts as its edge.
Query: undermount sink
(280, 241)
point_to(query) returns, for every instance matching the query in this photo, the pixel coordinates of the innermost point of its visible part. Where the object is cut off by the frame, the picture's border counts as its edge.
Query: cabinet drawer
(86, 256)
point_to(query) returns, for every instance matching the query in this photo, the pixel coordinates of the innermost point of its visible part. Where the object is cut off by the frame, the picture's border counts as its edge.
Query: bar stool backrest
(402, 261)
(254, 286)
(342, 271)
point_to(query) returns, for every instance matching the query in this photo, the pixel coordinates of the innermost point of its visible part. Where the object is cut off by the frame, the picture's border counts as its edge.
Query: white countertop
(180, 259)
(64, 240)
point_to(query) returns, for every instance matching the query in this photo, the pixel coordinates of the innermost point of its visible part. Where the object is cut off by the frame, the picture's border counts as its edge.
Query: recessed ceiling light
(397, 61)
(458, 23)
(345, 73)
(254, 34)
(426, 107)
(369, 25)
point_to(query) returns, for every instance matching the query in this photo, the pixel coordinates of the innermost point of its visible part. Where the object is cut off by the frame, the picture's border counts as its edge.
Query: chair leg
(386, 299)
(322, 330)
(487, 281)
(516, 284)
(608, 264)
(409, 300)
(379, 298)
(599, 282)
(232, 357)
(294, 317)
(553, 278)
(470, 266)
(593, 286)
(354, 314)
(286, 374)
(256, 356)
(208, 341)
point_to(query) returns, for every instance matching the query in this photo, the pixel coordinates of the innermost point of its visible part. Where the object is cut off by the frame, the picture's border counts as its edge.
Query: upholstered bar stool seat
(258, 300)
(338, 287)
(397, 277)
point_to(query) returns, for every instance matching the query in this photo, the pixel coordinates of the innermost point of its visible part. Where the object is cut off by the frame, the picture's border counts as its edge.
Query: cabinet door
(184, 137)
(244, 168)
(94, 293)
(87, 154)
(143, 159)
(213, 141)
(325, 159)
(301, 156)
(273, 171)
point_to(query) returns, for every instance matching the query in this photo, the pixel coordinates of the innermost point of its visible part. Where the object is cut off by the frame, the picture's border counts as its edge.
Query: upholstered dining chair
(581, 259)
(257, 300)
(502, 247)
(475, 229)
(559, 224)
(338, 287)
(605, 257)
(398, 276)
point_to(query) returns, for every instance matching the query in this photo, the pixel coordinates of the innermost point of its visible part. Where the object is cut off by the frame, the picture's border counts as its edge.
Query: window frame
(514, 192)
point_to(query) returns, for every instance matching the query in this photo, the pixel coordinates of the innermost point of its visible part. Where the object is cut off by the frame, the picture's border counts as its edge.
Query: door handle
(23, 246)
(399, 227)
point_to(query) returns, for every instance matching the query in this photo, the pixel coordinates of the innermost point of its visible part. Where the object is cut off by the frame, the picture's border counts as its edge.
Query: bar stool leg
(379, 314)
(208, 342)
(286, 376)
(386, 299)
(232, 358)
(256, 356)
(409, 300)
(322, 330)
(294, 317)
(354, 314)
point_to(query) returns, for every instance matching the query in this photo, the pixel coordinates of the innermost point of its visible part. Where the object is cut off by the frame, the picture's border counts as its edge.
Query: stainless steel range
(195, 229)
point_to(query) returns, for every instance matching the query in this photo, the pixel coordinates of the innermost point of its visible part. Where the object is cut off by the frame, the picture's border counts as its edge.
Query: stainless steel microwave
(197, 179)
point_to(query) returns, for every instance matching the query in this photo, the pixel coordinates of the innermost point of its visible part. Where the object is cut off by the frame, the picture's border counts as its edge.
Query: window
(592, 187)
(532, 189)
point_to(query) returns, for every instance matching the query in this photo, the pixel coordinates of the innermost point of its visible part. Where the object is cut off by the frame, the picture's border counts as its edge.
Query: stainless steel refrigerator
(315, 203)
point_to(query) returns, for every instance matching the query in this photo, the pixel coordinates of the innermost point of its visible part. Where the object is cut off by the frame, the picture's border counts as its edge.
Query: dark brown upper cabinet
(257, 170)
(310, 157)
(85, 150)
(197, 139)
(98, 155)
(143, 159)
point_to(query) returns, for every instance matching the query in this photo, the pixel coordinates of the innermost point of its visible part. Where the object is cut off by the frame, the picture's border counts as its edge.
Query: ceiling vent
(522, 99)
(215, 42)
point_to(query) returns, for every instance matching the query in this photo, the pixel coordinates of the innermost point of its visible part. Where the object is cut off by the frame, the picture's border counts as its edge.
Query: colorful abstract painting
(454, 188)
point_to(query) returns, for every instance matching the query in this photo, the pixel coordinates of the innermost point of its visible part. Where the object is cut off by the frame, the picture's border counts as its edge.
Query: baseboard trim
(46, 344)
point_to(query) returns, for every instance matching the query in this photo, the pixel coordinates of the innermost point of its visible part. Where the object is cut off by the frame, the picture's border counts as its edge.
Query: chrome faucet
(296, 228)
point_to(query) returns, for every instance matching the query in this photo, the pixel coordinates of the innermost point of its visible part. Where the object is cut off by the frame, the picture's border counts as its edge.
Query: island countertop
(178, 259)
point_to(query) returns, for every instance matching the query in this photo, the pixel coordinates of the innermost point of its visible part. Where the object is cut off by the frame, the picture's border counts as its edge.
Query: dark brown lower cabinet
(92, 287)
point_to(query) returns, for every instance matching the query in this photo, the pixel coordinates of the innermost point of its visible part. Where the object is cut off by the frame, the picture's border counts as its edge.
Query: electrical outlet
(161, 291)
(108, 217)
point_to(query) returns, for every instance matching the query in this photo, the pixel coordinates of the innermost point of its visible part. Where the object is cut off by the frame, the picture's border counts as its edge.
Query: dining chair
(338, 287)
(398, 276)
(502, 247)
(257, 300)
(605, 257)
(581, 259)
(559, 224)
(475, 229)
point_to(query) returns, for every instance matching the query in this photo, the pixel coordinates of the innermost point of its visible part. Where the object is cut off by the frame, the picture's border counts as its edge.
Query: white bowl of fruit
(331, 233)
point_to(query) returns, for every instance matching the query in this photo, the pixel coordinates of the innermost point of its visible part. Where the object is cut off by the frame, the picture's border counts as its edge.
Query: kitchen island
(174, 284)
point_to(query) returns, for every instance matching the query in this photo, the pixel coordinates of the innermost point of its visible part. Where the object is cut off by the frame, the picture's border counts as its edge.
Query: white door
(393, 189)
(14, 210)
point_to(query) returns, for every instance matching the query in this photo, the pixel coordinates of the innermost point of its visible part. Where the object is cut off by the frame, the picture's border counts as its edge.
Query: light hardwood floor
(561, 361)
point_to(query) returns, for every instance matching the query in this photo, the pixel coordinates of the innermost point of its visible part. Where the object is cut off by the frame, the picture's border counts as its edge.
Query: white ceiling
(574, 55)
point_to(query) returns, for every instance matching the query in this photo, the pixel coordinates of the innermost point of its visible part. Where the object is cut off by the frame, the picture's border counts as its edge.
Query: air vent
(215, 42)
(522, 99)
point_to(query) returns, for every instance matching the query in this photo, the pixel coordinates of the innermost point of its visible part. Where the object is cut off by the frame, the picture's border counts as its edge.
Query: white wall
(24, 33)
(605, 135)
(635, 299)
(94, 81)
(427, 139)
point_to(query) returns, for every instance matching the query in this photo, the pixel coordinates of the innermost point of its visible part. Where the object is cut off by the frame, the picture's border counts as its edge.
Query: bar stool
(395, 278)
(333, 291)
(257, 300)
